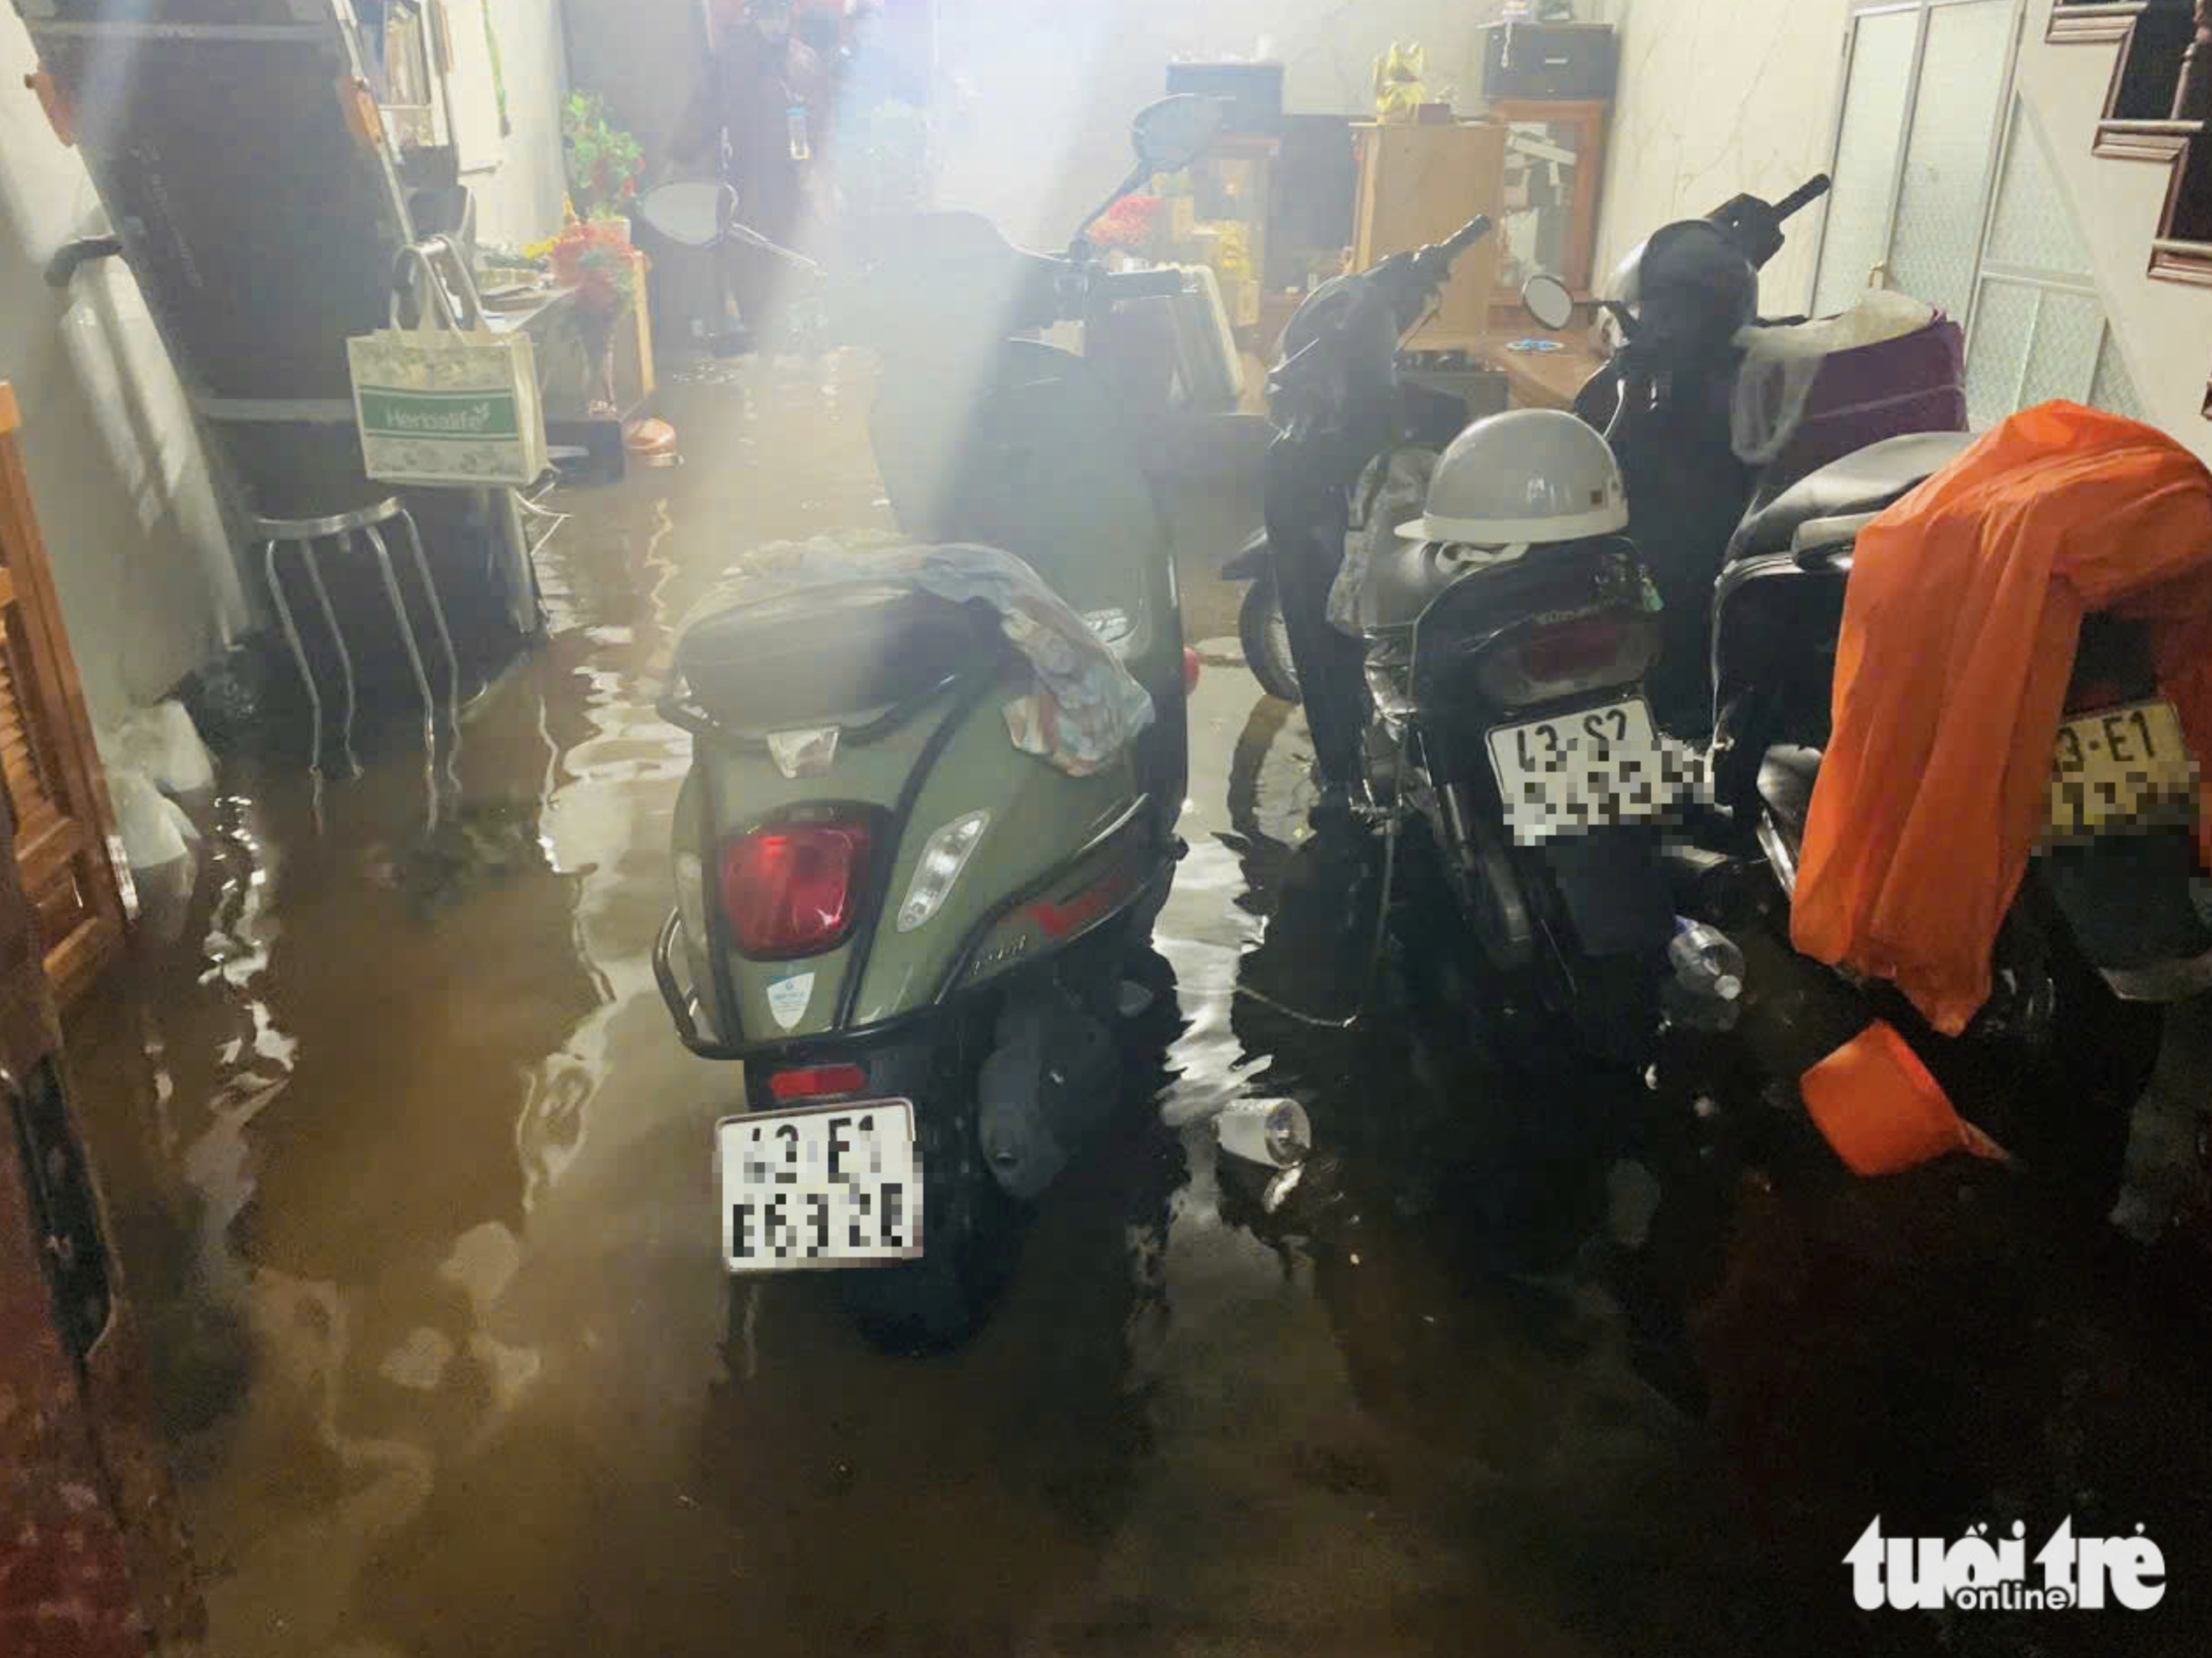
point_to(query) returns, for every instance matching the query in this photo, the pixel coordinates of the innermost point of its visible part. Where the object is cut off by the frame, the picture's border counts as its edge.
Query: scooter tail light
(1565, 658)
(794, 889)
(943, 856)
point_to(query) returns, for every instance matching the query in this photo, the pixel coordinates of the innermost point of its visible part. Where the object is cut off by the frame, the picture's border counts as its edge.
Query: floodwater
(411, 1179)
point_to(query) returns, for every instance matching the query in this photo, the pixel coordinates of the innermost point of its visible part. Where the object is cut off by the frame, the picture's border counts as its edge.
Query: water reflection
(415, 1186)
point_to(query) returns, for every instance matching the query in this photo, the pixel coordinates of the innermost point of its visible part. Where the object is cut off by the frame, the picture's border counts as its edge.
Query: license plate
(2119, 767)
(1569, 772)
(824, 1186)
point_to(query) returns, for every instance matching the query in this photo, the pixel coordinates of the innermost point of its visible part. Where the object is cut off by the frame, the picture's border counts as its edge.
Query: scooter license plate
(820, 1185)
(1567, 773)
(2116, 768)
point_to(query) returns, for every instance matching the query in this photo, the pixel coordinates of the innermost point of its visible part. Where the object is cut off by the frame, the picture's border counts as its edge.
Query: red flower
(594, 257)
(1129, 223)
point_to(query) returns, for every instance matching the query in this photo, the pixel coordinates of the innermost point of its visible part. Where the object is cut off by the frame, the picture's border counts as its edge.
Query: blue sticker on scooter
(787, 998)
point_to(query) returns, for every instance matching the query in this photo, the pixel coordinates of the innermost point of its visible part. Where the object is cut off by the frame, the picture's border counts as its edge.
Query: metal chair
(275, 533)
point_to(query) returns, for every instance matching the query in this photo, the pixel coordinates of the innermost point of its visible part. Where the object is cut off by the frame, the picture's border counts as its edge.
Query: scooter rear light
(816, 1083)
(793, 889)
(1564, 658)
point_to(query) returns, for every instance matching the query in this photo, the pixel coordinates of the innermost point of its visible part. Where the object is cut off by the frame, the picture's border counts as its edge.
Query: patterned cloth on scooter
(1960, 620)
(1084, 707)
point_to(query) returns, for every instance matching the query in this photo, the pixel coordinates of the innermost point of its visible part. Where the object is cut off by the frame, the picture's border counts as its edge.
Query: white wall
(519, 201)
(148, 589)
(1038, 129)
(1718, 97)
(2165, 328)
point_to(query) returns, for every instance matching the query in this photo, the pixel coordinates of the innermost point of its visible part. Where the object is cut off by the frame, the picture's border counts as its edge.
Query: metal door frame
(1923, 9)
(2041, 281)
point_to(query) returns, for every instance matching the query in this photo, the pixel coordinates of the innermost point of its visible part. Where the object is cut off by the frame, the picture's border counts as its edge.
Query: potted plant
(605, 163)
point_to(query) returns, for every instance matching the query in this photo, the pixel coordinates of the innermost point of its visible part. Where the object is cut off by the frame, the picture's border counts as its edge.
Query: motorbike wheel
(2070, 1110)
(970, 1236)
(1266, 638)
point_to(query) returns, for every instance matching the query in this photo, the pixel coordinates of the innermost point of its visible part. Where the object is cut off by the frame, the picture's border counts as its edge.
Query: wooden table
(1546, 379)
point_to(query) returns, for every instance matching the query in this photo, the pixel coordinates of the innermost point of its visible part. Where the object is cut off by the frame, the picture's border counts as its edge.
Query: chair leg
(414, 660)
(299, 657)
(337, 638)
(445, 638)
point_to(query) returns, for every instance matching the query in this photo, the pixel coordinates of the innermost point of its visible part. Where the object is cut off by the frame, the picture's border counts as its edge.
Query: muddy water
(413, 1181)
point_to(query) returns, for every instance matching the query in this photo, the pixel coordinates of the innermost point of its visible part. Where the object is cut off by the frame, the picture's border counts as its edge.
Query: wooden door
(65, 846)
(1419, 184)
(93, 1562)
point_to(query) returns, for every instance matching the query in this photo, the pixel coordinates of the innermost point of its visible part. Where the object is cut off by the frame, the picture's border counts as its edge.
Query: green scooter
(917, 938)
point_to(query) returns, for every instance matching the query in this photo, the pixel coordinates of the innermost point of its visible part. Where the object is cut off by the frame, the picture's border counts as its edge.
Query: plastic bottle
(1706, 991)
(795, 122)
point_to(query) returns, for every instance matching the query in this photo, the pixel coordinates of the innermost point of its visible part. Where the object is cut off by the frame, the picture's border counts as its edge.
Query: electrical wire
(535, 511)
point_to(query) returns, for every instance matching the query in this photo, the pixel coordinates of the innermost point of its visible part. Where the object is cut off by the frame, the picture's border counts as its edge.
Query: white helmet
(1529, 474)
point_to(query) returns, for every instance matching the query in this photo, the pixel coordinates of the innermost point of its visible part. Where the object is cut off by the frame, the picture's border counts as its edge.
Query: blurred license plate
(825, 1186)
(2118, 767)
(1575, 771)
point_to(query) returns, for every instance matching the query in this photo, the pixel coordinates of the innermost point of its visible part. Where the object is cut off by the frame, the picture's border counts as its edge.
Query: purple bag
(1795, 413)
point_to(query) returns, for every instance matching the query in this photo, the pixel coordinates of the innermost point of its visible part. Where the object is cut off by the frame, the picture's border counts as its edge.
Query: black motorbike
(2104, 928)
(1435, 410)
(1466, 679)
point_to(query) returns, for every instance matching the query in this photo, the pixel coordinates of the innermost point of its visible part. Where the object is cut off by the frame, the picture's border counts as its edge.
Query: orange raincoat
(1959, 625)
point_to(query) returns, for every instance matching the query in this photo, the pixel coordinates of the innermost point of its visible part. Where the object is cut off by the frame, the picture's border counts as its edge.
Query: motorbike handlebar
(1807, 193)
(1434, 262)
(1430, 268)
(1466, 237)
(1138, 285)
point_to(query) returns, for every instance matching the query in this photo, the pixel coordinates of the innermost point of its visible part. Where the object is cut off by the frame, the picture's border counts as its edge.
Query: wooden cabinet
(1417, 184)
(1555, 163)
(63, 823)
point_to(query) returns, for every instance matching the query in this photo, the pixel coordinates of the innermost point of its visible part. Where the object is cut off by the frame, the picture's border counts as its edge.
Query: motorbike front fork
(1306, 545)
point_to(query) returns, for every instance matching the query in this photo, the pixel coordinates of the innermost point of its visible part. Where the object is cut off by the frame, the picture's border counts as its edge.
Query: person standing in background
(764, 100)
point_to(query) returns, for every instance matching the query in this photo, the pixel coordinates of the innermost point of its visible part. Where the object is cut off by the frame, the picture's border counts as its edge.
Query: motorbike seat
(1865, 481)
(1787, 777)
(824, 655)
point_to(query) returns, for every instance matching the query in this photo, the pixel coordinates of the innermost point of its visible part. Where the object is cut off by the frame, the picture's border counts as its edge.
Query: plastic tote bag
(450, 402)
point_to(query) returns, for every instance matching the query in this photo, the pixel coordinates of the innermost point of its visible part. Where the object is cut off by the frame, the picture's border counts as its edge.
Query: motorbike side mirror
(1168, 136)
(1174, 131)
(690, 212)
(1548, 301)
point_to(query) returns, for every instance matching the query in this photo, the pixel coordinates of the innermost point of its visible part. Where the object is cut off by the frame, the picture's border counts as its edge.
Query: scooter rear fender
(952, 760)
